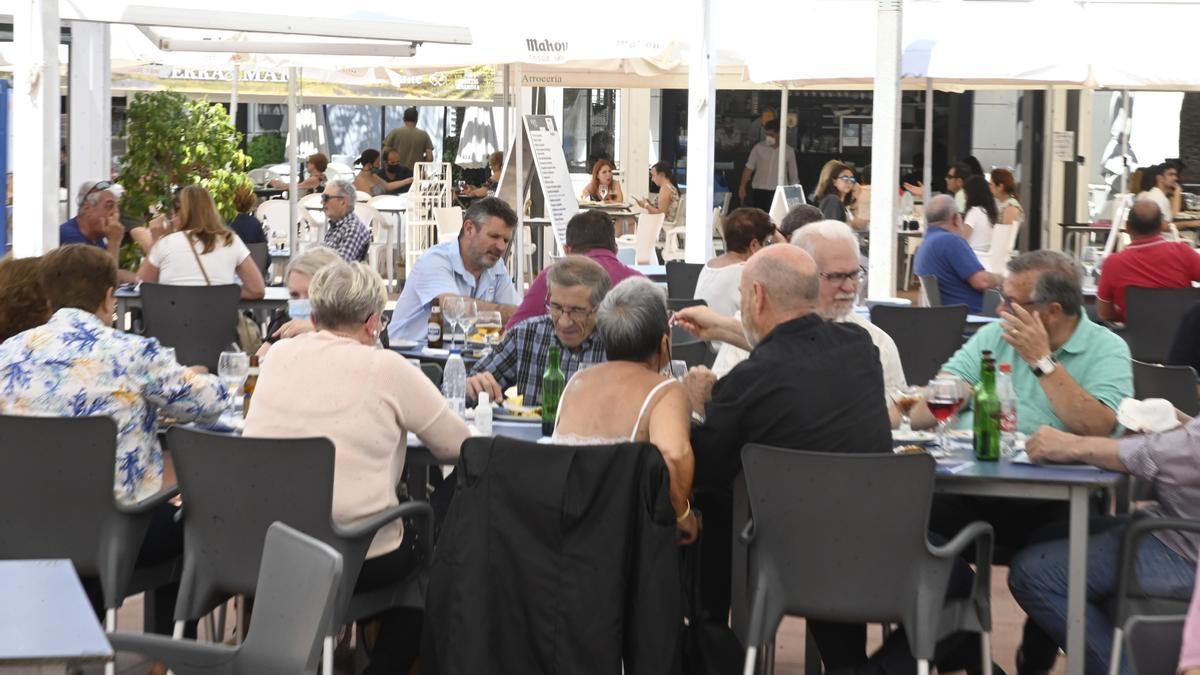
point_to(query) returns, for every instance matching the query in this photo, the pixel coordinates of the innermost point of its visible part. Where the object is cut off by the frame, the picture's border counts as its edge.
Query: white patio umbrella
(477, 138)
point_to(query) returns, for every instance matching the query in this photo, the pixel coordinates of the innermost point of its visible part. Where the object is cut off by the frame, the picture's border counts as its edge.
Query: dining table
(47, 624)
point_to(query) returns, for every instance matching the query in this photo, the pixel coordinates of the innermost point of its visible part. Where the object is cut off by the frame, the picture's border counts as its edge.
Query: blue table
(46, 622)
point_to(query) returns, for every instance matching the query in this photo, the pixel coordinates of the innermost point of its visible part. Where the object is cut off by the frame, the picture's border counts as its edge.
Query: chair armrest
(370, 525)
(1137, 529)
(747, 534)
(150, 503)
(982, 534)
(183, 655)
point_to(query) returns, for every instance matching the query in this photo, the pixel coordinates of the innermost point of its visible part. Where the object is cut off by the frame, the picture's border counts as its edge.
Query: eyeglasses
(848, 179)
(575, 314)
(1006, 300)
(325, 198)
(841, 277)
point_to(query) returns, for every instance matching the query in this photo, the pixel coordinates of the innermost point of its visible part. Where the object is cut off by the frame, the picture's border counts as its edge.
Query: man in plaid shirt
(345, 233)
(577, 285)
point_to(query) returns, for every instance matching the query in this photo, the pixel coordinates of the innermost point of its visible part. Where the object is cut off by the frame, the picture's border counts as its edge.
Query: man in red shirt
(589, 233)
(1149, 261)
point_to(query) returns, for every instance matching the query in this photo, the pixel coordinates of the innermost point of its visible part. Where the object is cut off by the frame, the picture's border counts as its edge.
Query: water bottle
(1008, 410)
(454, 383)
(483, 414)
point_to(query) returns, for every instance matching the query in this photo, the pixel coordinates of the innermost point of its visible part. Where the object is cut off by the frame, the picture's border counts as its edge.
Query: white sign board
(543, 151)
(1064, 146)
(786, 196)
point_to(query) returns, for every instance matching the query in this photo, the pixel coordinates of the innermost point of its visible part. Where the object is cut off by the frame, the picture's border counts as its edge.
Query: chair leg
(110, 626)
(177, 634)
(1114, 659)
(751, 657)
(985, 646)
(327, 656)
(769, 657)
(922, 667)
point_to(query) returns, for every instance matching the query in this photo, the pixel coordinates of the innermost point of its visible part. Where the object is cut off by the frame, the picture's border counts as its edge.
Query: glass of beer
(488, 325)
(906, 398)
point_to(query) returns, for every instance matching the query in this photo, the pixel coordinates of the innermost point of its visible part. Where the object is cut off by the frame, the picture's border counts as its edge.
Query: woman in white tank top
(627, 399)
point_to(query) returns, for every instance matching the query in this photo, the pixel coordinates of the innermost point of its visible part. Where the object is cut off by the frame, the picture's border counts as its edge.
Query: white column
(701, 129)
(885, 149)
(927, 170)
(293, 154)
(1053, 196)
(90, 92)
(233, 94)
(518, 257)
(35, 102)
(1083, 145)
(783, 129)
(635, 152)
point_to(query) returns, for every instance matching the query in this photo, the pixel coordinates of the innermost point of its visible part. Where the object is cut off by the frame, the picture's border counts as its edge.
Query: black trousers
(399, 640)
(761, 199)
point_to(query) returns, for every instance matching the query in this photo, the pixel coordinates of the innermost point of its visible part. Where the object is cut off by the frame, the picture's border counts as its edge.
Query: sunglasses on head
(98, 187)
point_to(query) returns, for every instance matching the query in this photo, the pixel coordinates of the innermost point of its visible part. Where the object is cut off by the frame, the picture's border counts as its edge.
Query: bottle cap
(456, 350)
(485, 401)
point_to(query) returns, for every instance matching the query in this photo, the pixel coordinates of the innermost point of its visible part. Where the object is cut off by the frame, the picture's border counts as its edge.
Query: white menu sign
(544, 144)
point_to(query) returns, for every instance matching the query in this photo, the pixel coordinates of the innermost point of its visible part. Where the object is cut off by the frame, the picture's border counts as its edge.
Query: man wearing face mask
(391, 170)
(763, 165)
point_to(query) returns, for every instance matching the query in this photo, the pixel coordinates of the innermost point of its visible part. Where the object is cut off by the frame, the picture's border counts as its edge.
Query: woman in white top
(639, 403)
(203, 252)
(1004, 189)
(746, 231)
(663, 175)
(980, 215)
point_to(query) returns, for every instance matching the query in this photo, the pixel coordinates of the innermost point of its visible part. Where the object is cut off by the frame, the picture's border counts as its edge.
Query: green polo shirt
(1095, 357)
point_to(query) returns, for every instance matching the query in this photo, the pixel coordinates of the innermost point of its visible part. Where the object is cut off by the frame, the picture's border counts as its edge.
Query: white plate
(434, 351)
(506, 413)
(401, 343)
(912, 437)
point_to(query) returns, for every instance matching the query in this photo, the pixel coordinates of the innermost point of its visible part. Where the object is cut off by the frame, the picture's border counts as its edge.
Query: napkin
(1154, 415)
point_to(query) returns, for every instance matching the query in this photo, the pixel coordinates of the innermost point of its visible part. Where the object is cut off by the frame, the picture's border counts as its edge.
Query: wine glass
(603, 192)
(232, 369)
(467, 316)
(488, 323)
(943, 397)
(906, 398)
(452, 310)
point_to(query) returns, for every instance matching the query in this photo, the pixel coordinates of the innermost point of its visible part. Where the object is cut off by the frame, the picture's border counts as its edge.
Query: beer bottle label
(435, 333)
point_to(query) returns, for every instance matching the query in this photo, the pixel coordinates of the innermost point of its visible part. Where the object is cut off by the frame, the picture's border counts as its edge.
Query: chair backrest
(681, 278)
(262, 175)
(1177, 384)
(381, 230)
(362, 197)
(389, 202)
(1152, 644)
(198, 321)
(434, 372)
(274, 215)
(991, 302)
(449, 222)
(260, 254)
(649, 225)
(294, 602)
(1151, 318)
(925, 336)
(874, 542)
(1001, 246)
(311, 201)
(693, 353)
(931, 293)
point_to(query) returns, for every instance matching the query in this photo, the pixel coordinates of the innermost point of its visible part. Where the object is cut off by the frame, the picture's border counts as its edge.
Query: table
(652, 272)
(1073, 231)
(46, 622)
(419, 354)
(276, 297)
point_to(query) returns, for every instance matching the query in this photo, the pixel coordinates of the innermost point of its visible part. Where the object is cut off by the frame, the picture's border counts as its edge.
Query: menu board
(543, 156)
(786, 196)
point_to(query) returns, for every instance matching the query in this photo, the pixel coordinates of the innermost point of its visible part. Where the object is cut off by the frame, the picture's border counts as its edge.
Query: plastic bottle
(483, 414)
(1008, 410)
(454, 383)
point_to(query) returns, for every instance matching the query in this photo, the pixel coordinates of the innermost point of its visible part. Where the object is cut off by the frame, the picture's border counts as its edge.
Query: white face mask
(770, 141)
(299, 308)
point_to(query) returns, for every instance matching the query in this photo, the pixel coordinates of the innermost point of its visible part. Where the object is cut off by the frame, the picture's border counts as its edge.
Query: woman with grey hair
(297, 276)
(369, 399)
(639, 403)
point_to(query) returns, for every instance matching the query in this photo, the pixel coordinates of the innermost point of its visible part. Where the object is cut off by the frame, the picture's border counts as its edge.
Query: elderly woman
(298, 276)
(369, 400)
(746, 231)
(639, 403)
(24, 305)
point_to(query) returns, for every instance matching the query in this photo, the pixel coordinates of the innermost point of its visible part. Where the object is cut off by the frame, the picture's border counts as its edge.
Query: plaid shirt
(520, 358)
(349, 237)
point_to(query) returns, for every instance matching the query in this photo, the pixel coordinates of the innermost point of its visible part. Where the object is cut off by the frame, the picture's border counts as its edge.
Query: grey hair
(799, 216)
(83, 196)
(313, 259)
(830, 230)
(345, 188)
(941, 209)
(633, 320)
(344, 294)
(578, 270)
(1060, 279)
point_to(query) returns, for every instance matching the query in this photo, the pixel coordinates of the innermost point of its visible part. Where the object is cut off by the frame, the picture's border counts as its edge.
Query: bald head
(941, 211)
(788, 276)
(1145, 218)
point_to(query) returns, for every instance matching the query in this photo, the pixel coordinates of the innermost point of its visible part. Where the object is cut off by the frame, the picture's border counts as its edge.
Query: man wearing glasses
(577, 285)
(345, 233)
(98, 222)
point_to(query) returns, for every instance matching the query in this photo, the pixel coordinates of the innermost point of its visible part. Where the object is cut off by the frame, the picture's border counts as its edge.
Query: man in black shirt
(392, 170)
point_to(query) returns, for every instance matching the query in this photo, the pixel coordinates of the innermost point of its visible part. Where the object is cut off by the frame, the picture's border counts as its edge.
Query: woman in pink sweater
(335, 383)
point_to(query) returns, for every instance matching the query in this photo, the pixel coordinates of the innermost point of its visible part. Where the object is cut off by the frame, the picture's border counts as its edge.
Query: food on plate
(909, 449)
(514, 404)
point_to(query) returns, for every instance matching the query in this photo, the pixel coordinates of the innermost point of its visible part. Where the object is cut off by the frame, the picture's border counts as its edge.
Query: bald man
(809, 384)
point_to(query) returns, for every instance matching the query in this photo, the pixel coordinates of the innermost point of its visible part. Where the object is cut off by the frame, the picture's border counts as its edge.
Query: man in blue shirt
(98, 222)
(470, 266)
(946, 255)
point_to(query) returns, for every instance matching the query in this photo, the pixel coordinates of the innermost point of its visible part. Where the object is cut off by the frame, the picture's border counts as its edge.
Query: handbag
(710, 647)
(249, 335)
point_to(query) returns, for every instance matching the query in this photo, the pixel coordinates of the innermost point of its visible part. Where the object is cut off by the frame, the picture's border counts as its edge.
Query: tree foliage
(266, 150)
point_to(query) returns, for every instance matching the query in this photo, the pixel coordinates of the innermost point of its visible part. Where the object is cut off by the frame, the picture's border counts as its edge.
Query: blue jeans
(1038, 581)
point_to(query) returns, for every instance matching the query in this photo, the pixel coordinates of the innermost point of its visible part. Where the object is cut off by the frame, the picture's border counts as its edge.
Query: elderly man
(577, 285)
(98, 222)
(470, 266)
(1149, 261)
(344, 232)
(589, 233)
(946, 255)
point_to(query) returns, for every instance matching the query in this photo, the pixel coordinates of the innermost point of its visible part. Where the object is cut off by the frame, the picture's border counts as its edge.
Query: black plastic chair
(261, 255)
(991, 303)
(198, 321)
(1151, 318)
(295, 592)
(237, 486)
(926, 337)
(56, 501)
(681, 278)
(693, 353)
(434, 372)
(931, 289)
(674, 304)
(1153, 643)
(803, 557)
(1177, 384)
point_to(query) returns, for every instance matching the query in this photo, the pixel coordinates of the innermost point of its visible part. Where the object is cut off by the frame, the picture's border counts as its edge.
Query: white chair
(996, 258)
(674, 243)
(273, 214)
(362, 197)
(262, 176)
(649, 226)
(911, 244)
(381, 248)
(719, 229)
(311, 201)
(449, 222)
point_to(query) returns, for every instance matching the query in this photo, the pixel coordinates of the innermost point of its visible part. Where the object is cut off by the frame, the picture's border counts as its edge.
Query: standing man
(345, 233)
(946, 255)
(98, 222)
(470, 266)
(763, 164)
(410, 143)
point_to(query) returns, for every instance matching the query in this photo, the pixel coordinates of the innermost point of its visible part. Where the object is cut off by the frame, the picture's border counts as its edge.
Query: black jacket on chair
(555, 559)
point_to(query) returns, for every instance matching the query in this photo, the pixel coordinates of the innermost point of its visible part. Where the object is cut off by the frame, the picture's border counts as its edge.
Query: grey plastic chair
(682, 278)
(261, 255)
(1151, 318)
(1177, 384)
(1131, 599)
(807, 560)
(1153, 643)
(295, 592)
(198, 321)
(434, 372)
(56, 501)
(926, 337)
(931, 289)
(237, 486)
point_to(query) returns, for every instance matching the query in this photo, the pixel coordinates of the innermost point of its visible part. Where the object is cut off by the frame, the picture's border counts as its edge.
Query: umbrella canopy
(477, 140)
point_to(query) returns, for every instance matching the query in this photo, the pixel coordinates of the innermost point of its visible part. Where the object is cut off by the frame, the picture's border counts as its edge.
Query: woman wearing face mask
(368, 179)
(299, 273)
(641, 405)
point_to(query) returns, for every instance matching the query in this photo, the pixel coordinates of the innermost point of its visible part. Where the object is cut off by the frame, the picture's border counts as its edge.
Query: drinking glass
(488, 323)
(679, 369)
(906, 398)
(467, 315)
(232, 369)
(603, 192)
(943, 397)
(452, 310)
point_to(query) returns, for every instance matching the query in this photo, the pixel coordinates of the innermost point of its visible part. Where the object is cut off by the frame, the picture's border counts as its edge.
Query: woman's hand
(293, 328)
(688, 528)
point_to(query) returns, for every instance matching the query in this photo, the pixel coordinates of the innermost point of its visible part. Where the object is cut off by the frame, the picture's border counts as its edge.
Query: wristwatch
(1044, 366)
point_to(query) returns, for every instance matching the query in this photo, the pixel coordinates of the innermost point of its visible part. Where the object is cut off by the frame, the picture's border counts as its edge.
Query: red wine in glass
(943, 408)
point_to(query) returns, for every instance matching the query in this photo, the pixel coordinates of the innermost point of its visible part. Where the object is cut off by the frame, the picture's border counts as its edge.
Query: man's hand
(742, 194)
(114, 231)
(916, 190)
(1026, 333)
(293, 328)
(1051, 445)
(699, 385)
(699, 320)
(689, 529)
(484, 382)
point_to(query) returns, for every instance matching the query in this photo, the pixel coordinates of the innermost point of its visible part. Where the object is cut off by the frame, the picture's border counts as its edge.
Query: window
(590, 127)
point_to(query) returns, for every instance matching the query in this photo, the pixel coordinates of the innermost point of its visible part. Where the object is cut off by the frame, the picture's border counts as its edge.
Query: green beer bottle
(552, 389)
(987, 414)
